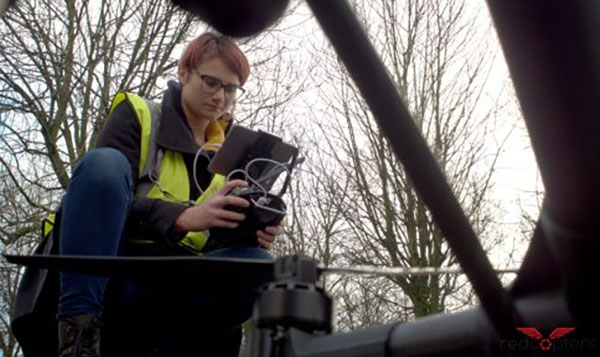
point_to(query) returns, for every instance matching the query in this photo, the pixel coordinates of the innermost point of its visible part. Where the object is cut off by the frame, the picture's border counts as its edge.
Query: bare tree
(62, 61)
(367, 301)
(436, 52)
(19, 227)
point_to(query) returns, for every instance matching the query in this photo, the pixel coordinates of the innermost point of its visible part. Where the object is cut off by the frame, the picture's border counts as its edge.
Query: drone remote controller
(265, 210)
(259, 158)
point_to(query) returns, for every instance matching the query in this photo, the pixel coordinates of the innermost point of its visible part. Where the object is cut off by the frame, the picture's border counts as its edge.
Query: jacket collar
(174, 132)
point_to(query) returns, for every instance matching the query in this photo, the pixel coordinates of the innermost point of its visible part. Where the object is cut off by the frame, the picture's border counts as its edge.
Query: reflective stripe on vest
(172, 183)
(144, 116)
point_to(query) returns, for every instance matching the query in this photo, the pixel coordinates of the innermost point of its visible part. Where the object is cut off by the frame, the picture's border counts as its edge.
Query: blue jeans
(94, 212)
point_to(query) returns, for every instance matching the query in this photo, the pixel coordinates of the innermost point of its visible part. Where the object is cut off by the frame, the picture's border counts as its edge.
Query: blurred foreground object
(4, 4)
(236, 18)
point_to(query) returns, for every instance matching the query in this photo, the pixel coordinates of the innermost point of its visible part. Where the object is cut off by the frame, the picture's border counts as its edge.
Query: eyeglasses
(212, 85)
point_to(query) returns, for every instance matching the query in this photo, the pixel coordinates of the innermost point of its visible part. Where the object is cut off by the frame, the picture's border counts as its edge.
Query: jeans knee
(262, 254)
(105, 166)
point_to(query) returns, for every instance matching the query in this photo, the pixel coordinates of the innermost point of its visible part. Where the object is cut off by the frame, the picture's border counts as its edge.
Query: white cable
(260, 159)
(277, 163)
(274, 210)
(402, 271)
(228, 178)
(198, 153)
(246, 178)
(280, 164)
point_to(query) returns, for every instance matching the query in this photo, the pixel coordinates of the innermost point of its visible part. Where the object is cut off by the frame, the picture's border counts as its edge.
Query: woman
(145, 190)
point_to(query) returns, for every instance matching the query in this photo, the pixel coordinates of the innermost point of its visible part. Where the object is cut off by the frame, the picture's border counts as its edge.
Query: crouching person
(146, 190)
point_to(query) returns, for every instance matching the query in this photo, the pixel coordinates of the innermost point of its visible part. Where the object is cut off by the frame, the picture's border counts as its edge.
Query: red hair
(209, 45)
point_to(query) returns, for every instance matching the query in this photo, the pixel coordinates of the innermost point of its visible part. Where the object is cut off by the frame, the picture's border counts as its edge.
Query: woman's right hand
(212, 213)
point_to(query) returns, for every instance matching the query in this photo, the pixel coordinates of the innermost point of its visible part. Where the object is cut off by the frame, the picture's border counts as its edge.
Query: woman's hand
(266, 237)
(211, 213)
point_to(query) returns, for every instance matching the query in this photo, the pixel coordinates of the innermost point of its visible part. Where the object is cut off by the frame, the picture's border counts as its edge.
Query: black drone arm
(292, 318)
(552, 49)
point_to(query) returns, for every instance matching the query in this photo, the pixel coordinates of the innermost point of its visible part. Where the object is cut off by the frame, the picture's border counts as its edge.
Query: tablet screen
(242, 145)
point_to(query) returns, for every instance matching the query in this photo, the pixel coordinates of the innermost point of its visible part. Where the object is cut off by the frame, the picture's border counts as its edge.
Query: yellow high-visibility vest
(165, 168)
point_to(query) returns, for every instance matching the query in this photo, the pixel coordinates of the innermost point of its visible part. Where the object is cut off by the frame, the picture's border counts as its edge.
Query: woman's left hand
(266, 237)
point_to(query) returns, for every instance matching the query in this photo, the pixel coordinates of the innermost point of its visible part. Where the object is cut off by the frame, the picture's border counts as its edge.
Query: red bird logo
(545, 343)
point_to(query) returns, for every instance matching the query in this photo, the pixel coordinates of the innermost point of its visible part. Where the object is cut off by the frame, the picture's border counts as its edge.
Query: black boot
(79, 336)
